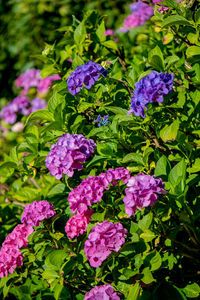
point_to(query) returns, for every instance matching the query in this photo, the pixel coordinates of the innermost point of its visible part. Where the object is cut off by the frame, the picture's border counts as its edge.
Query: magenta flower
(141, 192)
(70, 151)
(18, 238)
(104, 238)
(8, 113)
(91, 189)
(36, 212)
(30, 78)
(109, 32)
(102, 292)
(10, 258)
(45, 83)
(77, 224)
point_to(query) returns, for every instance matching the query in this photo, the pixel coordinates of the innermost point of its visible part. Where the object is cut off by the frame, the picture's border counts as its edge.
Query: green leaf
(156, 59)
(117, 110)
(105, 149)
(101, 32)
(192, 290)
(147, 276)
(156, 262)
(175, 20)
(8, 164)
(80, 33)
(134, 291)
(146, 221)
(165, 291)
(111, 45)
(41, 114)
(169, 132)
(162, 166)
(178, 173)
(195, 167)
(56, 190)
(55, 259)
(133, 157)
(192, 51)
(58, 97)
(148, 235)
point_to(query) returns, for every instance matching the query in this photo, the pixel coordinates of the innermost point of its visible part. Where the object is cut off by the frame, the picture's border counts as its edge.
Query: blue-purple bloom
(8, 113)
(37, 103)
(150, 89)
(102, 121)
(70, 151)
(85, 76)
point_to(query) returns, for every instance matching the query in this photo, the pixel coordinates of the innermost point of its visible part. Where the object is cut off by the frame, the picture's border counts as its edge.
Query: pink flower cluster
(141, 12)
(104, 238)
(31, 78)
(10, 255)
(141, 192)
(102, 292)
(77, 224)
(70, 151)
(91, 189)
(36, 212)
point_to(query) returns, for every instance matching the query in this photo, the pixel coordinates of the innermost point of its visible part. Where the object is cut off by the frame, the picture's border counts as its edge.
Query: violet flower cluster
(91, 189)
(36, 212)
(141, 12)
(70, 151)
(141, 192)
(149, 89)
(85, 76)
(102, 121)
(10, 255)
(77, 224)
(102, 292)
(104, 238)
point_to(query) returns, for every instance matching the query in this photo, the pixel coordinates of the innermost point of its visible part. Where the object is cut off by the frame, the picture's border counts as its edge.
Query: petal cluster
(77, 224)
(30, 78)
(91, 189)
(36, 212)
(150, 88)
(104, 238)
(10, 255)
(85, 76)
(141, 192)
(70, 151)
(141, 12)
(45, 83)
(103, 292)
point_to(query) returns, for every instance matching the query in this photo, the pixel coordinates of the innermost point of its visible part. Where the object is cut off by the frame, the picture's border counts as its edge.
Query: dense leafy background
(160, 259)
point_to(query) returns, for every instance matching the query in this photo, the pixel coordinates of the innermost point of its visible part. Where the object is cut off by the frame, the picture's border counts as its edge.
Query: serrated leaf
(175, 20)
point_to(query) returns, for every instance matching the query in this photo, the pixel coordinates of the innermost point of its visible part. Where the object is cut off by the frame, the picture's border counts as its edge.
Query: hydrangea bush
(105, 178)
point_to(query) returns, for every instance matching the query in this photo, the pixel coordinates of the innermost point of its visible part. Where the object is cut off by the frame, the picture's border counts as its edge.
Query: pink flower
(102, 292)
(141, 192)
(45, 83)
(18, 238)
(91, 189)
(104, 238)
(36, 212)
(77, 224)
(109, 32)
(30, 78)
(10, 258)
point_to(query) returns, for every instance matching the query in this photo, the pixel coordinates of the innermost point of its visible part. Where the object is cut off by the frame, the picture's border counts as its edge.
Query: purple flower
(70, 151)
(109, 32)
(8, 113)
(150, 88)
(85, 76)
(22, 103)
(38, 103)
(141, 192)
(36, 212)
(91, 189)
(141, 12)
(102, 292)
(30, 78)
(45, 83)
(102, 121)
(104, 238)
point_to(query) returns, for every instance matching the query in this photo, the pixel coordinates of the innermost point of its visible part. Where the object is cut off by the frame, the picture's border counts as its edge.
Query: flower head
(45, 83)
(36, 212)
(18, 238)
(77, 224)
(102, 292)
(30, 78)
(104, 238)
(85, 76)
(150, 88)
(91, 189)
(9, 113)
(141, 192)
(70, 151)
(10, 258)
(102, 121)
